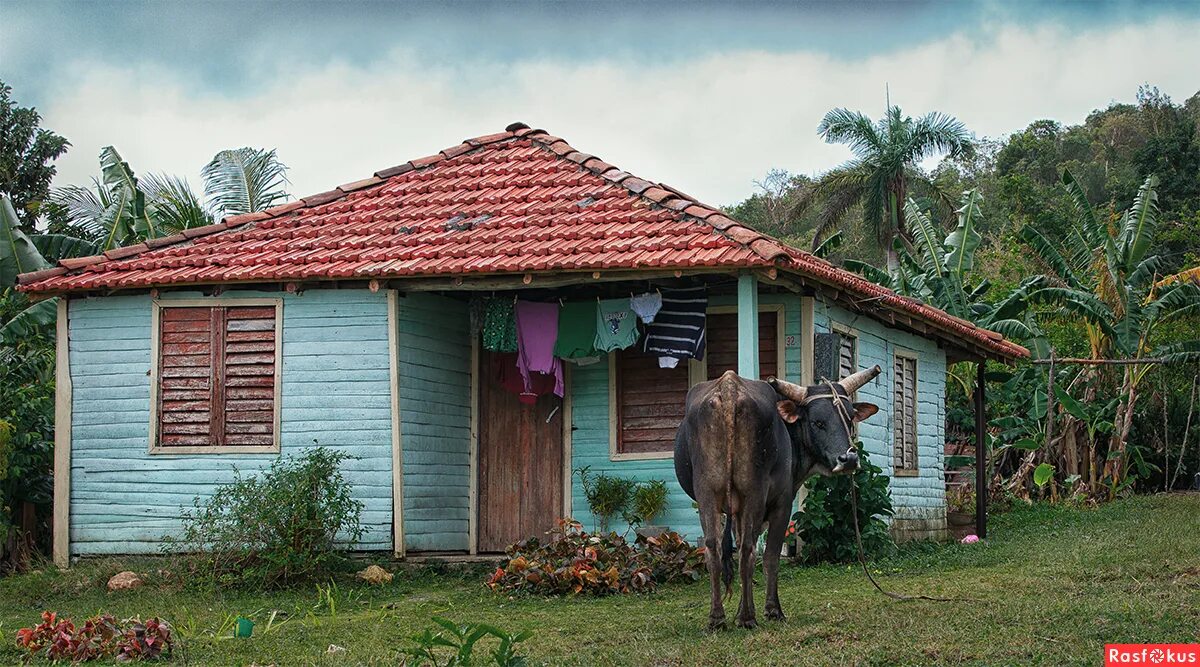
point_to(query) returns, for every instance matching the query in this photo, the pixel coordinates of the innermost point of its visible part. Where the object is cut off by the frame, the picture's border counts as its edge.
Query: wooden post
(981, 472)
(62, 440)
(747, 311)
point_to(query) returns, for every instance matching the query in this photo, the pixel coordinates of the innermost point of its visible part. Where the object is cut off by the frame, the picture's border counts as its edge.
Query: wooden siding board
(914, 497)
(435, 421)
(327, 398)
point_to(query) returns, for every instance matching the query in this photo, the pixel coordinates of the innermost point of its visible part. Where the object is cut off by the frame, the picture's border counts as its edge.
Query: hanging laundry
(616, 326)
(505, 373)
(576, 331)
(537, 331)
(646, 305)
(476, 309)
(499, 326)
(678, 329)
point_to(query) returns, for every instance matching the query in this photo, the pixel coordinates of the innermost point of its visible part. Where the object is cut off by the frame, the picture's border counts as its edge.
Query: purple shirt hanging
(537, 331)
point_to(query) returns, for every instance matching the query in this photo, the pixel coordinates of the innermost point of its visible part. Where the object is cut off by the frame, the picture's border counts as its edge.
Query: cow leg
(749, 521)
(776, 530)
(710, 522)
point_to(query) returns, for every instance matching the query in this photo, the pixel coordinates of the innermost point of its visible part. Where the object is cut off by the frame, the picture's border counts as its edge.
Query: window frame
(157, 306)
(697, 373)
(915, 470)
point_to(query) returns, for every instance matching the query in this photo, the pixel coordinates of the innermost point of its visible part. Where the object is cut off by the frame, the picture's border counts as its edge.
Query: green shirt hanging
(500, 326)
(576, 331)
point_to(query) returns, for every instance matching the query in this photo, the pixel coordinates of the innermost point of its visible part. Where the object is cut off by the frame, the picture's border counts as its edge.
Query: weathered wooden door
(520, 485)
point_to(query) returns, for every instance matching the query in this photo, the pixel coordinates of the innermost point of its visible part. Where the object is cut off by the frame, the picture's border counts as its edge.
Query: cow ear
(788, 410)
(864, 410)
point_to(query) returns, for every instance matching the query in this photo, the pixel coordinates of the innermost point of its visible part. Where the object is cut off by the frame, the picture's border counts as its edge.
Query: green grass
(1054, 584)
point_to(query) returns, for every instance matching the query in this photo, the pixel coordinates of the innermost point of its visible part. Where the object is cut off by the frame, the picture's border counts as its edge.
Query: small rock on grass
(375, 575)
(123, 581)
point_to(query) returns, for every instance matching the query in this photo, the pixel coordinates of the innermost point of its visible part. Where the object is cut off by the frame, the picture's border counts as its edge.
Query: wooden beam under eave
(62, 438)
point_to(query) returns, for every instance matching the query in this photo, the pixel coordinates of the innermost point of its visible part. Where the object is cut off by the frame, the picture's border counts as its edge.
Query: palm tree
(122, 209)
(882, 170)
(245, 180)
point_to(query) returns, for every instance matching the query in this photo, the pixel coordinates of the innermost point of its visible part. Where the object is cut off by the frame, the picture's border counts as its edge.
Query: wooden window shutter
(217, 376)
(650, 402)
(185, 377)
(722, 351)
(904, 413)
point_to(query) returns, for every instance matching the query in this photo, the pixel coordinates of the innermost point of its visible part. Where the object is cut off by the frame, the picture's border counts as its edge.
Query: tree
(120, 210)
(883, 168)
(245, 180)
(1105, 275)
(26, 154)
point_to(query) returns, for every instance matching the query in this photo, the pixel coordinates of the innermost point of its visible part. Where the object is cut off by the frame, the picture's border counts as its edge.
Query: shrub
(607, 496)
(649, 500)
(276, 528)
(826, 524)
(99, 637)
(575, 562)
(454, 645)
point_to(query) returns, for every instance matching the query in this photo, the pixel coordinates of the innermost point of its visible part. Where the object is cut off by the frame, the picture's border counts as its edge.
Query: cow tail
(727, 558)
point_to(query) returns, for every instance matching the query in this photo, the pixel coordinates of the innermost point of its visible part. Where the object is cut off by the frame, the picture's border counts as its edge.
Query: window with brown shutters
(904, 413)
(217, 377)
(650, 402)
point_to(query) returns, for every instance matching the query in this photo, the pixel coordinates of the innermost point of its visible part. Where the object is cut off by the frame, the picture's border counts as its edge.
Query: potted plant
(960, 505)
(648, 502)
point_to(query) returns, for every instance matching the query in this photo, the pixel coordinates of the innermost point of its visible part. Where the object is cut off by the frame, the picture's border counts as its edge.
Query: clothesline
(543, 334)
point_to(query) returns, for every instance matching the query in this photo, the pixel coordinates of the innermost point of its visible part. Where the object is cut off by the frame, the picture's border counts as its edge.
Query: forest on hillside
(1039, 216)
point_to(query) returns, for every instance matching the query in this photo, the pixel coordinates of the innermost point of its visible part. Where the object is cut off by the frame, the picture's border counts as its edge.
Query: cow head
(819, 419)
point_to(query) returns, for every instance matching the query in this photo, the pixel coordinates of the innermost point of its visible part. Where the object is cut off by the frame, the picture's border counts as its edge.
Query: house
(345, 320)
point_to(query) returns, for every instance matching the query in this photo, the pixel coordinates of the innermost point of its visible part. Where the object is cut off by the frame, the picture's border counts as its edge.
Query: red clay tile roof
(513, 202)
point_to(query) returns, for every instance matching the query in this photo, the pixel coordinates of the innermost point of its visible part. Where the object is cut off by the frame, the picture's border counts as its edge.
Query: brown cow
(743, 450)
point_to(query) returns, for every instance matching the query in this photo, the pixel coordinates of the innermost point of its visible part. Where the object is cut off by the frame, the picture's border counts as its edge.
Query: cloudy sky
(705, 97)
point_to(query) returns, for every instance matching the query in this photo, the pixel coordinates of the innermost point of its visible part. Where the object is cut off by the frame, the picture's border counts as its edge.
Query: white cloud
(708, 126)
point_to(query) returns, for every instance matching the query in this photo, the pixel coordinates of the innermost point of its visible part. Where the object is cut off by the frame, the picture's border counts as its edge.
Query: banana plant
(121, 209)
(19, 254)
(1103, 274)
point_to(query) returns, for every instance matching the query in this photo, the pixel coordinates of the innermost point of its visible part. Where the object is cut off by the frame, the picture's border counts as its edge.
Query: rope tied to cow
(862, 557)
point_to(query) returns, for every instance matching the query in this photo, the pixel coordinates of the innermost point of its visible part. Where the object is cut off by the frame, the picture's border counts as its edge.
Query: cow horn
(853, 382)
(787, 390)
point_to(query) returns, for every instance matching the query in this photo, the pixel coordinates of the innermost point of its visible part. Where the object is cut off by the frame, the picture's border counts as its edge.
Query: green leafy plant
(607, 496)
(573, 562)
(826, 524)
(453, 645)
(276, 528)
(648, 501)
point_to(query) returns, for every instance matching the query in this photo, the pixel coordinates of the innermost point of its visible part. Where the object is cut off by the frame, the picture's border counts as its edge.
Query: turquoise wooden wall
(335, 393)
(435, 415)
(589, 410)
(914, 497)
(923, 496)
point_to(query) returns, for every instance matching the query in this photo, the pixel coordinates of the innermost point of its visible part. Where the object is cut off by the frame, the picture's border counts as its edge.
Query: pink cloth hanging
(537, 331)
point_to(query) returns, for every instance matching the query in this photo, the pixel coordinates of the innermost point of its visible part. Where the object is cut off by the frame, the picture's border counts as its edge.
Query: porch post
(747, 312)
(61, 547)
(981, 471)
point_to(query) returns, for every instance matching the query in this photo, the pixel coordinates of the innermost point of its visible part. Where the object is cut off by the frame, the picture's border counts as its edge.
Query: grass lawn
(1054, 585)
